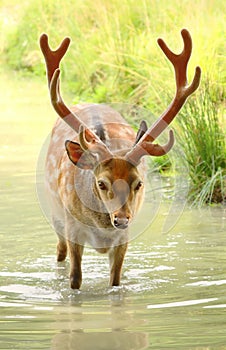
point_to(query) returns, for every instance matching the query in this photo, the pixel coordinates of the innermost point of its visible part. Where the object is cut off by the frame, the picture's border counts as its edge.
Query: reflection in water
(102, 340)
(98, 328)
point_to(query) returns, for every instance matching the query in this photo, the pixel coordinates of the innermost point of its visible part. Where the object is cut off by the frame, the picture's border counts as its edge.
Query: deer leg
(76, 252)
(61, 249)
(62, 244)
(116, 257)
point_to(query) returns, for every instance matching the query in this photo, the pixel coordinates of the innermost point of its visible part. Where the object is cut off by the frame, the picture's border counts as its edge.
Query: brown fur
(77, 222)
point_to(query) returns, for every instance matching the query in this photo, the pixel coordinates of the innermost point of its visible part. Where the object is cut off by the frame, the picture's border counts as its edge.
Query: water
(173, 285)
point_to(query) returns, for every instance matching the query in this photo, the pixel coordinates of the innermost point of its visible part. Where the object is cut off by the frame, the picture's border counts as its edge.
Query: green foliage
(202, 137)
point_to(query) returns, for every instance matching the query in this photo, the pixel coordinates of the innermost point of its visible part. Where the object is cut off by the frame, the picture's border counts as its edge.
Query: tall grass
(114, 56)
(201, 134)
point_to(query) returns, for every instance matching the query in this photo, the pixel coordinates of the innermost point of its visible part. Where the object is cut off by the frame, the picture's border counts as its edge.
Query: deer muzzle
(121, 220)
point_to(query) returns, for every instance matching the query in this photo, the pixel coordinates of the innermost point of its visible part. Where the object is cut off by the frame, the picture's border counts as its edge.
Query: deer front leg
(75, 251)
(61, 249)
(116, 258)
(62, 244)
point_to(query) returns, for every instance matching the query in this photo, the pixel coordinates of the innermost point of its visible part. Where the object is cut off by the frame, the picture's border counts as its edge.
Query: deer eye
(102, 186)
(139, 185)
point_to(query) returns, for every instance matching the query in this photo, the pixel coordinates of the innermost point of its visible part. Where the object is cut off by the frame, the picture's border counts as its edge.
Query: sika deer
(95, 180)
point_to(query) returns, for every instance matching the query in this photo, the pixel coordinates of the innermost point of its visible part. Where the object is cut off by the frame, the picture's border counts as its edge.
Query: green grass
(114, 57)
(201, 134)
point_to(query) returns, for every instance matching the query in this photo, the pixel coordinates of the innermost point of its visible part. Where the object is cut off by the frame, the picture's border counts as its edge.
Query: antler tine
(183, 90)
(95, 145)
(148, 148)
(180, 63)
(53, 58)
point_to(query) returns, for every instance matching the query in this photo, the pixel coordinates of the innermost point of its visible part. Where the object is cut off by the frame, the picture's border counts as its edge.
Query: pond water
(173, 285)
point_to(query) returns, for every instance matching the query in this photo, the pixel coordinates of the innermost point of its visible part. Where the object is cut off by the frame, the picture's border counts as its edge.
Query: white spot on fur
(55, 138)
(52, 160)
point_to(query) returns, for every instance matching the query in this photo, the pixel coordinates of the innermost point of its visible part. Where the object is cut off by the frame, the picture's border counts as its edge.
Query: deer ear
(142, 130)
(78, 156)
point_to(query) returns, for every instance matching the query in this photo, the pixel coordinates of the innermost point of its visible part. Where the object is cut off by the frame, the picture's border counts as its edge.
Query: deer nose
(121, 222)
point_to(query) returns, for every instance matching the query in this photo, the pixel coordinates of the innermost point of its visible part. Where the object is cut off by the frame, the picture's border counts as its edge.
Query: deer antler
(95, 145)
(63, 111)
(144, 146)
(53, 59)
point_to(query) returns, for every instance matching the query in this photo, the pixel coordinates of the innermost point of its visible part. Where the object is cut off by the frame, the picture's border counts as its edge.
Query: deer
(95, 165)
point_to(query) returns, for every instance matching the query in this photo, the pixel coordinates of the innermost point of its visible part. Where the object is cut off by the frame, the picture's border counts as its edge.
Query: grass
(114, 57)
(202, 137)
